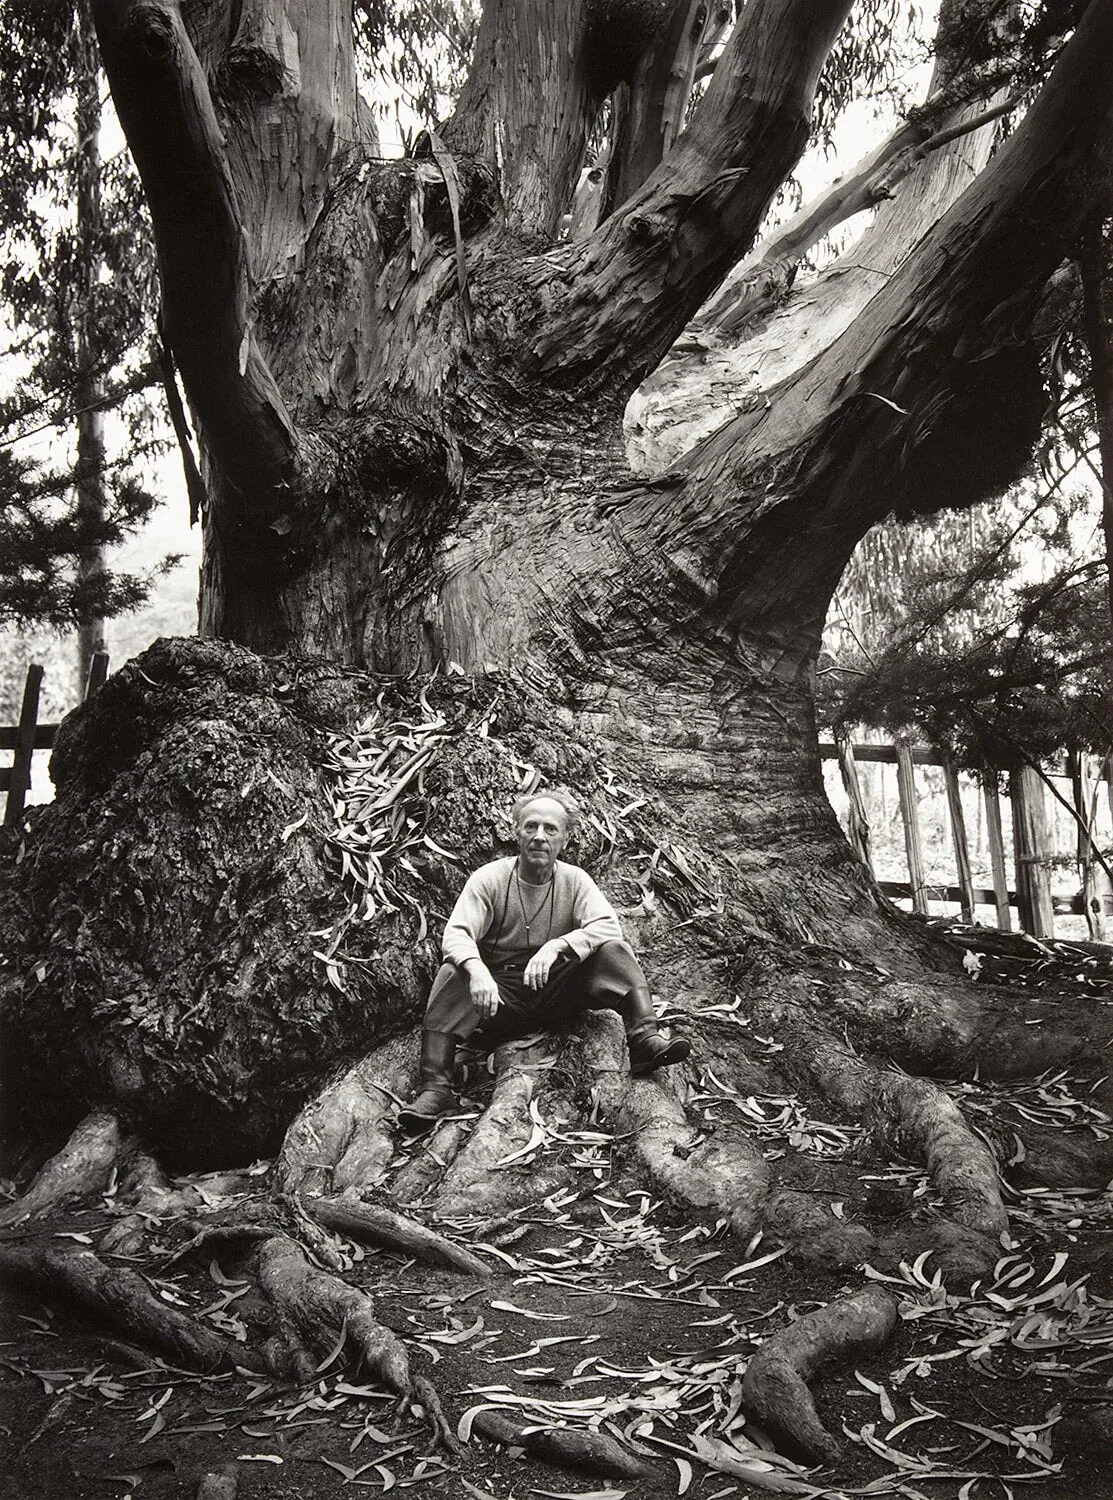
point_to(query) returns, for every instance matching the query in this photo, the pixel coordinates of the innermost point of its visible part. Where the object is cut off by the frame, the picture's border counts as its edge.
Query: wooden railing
(24, 738)
(1034, 852)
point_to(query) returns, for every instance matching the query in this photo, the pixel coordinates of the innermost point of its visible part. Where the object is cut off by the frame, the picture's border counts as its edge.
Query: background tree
(78, 294)
(409, 392)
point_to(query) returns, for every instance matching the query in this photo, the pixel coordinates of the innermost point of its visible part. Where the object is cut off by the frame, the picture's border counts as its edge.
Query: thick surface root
(569, 1448)
(80, 1169)
(488, 1175)
(797, 1219)
(119, 1296)
(344, 1138)
(722, 1172)
(316, 1309)
(379, 1226)
(920, 1120)
(427, 1165)
(774, 1388)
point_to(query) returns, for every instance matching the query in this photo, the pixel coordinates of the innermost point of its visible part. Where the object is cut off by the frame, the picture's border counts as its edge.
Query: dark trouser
(599, 982)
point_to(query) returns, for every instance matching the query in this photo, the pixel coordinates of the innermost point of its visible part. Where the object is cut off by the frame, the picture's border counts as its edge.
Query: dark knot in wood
(149, 29)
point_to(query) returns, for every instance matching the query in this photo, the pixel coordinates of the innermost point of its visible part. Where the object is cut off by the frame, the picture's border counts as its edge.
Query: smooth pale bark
(762, 325)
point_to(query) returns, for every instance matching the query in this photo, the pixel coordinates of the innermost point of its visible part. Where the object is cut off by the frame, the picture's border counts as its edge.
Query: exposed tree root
(569, 1448)
(316, 1309)
(121, 1297)
(482, 1177)
(379, 1226)
(774, 1388)
(78, 1170)
(428, 1163)
(723, 1172)
(797, 1219)
(922, 1122)
(344, 1138)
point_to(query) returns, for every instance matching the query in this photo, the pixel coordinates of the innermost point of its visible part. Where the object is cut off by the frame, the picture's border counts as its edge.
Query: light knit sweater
(489, 922)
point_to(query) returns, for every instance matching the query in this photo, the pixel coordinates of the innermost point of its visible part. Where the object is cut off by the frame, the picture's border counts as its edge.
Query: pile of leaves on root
(242, 881)
(603, 1312)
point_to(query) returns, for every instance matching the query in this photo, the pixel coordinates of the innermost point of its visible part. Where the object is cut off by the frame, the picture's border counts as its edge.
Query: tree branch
(650, 110)
(536, 82)
(611, 304)
(163, 101)
(783, 324)
(872, 181)
(931, 398)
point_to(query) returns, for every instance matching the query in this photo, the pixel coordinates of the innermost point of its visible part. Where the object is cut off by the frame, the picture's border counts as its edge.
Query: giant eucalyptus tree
(408, 383)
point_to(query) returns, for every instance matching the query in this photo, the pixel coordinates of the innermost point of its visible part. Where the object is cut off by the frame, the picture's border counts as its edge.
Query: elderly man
(531, 941)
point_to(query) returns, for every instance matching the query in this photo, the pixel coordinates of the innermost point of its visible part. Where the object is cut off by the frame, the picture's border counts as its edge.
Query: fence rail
(24, 738)
(1034, 851)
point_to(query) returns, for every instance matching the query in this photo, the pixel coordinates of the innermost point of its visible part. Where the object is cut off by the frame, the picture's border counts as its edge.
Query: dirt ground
(603, 1309)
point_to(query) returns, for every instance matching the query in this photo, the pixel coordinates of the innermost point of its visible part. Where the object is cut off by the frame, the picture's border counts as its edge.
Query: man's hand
(483, 989)
(540, 965)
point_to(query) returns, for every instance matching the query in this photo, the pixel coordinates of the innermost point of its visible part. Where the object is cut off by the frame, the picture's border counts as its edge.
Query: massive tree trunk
(410, 400)
(409, 394)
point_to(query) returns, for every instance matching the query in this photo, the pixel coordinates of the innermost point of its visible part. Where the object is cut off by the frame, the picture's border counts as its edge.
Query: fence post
(996, 841)
(958, 836)
(906, 792)
(858, 824)
(20, 783)
(1031, 847)
(1093, 885)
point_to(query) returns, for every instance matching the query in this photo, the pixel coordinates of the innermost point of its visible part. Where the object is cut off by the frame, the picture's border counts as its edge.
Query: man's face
(542, 834)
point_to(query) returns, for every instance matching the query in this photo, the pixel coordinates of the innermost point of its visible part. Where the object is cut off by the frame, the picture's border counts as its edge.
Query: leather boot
(649, 1050)
(434, 1089)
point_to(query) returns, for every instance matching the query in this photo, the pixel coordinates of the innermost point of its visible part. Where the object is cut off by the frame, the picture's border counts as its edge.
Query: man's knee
(611, 972)
(614, 949)
(617, 958)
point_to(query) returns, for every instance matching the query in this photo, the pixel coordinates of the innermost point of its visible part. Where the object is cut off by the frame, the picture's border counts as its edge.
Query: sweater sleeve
(596, 922)
(470, 919)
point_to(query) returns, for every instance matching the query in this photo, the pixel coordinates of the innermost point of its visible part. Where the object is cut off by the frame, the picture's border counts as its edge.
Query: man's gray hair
(556, 794)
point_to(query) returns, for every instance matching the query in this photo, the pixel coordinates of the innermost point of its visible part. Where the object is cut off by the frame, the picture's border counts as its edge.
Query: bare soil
(607, 1309)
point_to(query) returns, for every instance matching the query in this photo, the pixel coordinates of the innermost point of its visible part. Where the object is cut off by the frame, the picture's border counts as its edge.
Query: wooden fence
(24, 738)
(1034, 853)
(1034, 850)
